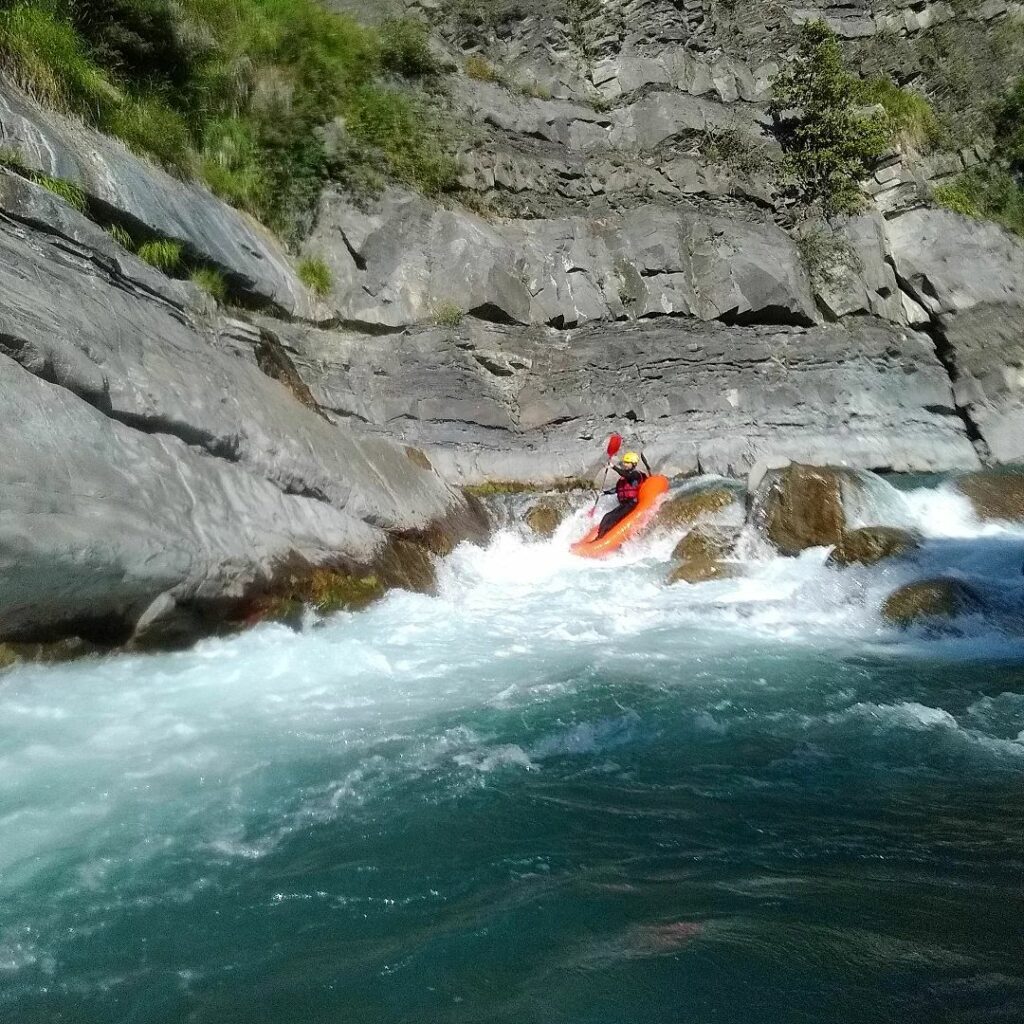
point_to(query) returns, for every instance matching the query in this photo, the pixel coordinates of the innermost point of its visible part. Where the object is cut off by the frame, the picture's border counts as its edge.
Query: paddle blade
(614, 444)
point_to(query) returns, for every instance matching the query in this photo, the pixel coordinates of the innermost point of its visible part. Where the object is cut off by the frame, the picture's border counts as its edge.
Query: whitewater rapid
(334, 767)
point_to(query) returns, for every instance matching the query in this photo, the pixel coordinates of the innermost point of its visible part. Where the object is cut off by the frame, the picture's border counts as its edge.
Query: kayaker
(627, 490)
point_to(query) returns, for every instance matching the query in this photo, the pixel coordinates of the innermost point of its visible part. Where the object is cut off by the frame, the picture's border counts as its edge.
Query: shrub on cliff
(237, 91)
(828, 142)
(995, 191)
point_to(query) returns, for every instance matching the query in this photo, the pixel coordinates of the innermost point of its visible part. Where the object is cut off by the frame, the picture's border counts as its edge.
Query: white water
(116, 767)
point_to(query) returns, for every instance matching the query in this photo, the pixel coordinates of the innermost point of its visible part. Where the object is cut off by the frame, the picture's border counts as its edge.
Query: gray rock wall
(146, 456)
(491, 402)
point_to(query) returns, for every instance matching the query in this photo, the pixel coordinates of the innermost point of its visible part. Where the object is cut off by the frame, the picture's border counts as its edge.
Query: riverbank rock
(928, 599)
(994, 494)
(800, 507)
(870, 544)
(545, 517)
(686, 509)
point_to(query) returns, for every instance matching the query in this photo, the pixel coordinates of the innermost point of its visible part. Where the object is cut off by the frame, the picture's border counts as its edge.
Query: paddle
(614, 444)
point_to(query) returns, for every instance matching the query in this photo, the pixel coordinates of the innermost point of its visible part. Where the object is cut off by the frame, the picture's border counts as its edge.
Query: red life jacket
(626, 491)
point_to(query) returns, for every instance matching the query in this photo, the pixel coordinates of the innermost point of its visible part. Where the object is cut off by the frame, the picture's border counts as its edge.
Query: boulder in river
(870, 544)
(706, 541)
(701, 554)
(799, 507)
(995, 494)
(686, 509)
(703, 570)
(941, 597)
(545, 517)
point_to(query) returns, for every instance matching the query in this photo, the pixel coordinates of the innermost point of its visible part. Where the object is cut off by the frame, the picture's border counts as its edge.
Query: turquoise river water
(558, 792)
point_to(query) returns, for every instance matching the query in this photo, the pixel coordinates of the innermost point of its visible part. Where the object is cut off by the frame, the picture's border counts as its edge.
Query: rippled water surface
(559, 792)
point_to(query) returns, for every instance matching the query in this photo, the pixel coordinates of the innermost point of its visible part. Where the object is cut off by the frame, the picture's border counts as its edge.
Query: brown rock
(706, 542)
(926, 599)
(871, 544)
(686, 509)
(51, 653)
(801, 507)
(702, 570)
(544, 518)
(995, 494)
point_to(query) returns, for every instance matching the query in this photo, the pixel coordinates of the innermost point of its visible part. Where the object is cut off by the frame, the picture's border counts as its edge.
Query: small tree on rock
(829, 144)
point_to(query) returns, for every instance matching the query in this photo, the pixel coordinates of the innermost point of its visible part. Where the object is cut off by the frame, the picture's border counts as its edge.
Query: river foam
(545, 726)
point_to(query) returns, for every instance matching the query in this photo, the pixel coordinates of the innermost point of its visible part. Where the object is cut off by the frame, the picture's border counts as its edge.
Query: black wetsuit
(627, 490)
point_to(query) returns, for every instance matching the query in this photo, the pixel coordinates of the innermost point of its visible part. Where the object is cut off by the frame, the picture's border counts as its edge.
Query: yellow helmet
(630, 459)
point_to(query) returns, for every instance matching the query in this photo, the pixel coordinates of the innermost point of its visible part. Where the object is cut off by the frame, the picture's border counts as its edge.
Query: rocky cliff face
(621, 260)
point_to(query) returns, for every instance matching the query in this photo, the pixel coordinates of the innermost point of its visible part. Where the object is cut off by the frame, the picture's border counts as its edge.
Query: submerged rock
(871, 544)
(544, 518)
(995, 494)
(686, 509)
(801, 507)
(702, 570)
(925, 599)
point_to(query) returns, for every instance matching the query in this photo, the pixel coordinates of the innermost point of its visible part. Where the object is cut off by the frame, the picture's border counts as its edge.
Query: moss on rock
(928, 599)
(871, 544)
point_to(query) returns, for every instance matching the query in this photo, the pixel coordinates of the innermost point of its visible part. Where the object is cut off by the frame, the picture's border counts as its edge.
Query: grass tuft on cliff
(316, 276)
(163, 254)
(911, 119)
(239, 92)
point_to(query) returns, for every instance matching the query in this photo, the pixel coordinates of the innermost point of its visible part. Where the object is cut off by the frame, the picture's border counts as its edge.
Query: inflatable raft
(652, 490)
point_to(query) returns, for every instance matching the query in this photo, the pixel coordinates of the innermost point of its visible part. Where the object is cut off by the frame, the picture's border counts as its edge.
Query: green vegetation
(828, 258)
(66, 190)
(163, 254)
(14, 161)
(70, 193)
(237, 92)
(910, 116)
(448, 314)
(995, 191)
(729, 147)
(122, 237)
(212, 282)
(990, 193)
(1008, 122)
(828, 145)
(316, 276)
(965, 67)
(481, 70)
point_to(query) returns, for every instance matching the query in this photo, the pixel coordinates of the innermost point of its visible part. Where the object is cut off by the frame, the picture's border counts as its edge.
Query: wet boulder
(706, 541)
(702, 554)
(871, 544)
(941, 597)
(798, 507)
(545, 517)
(688, 508)
(994, 494)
